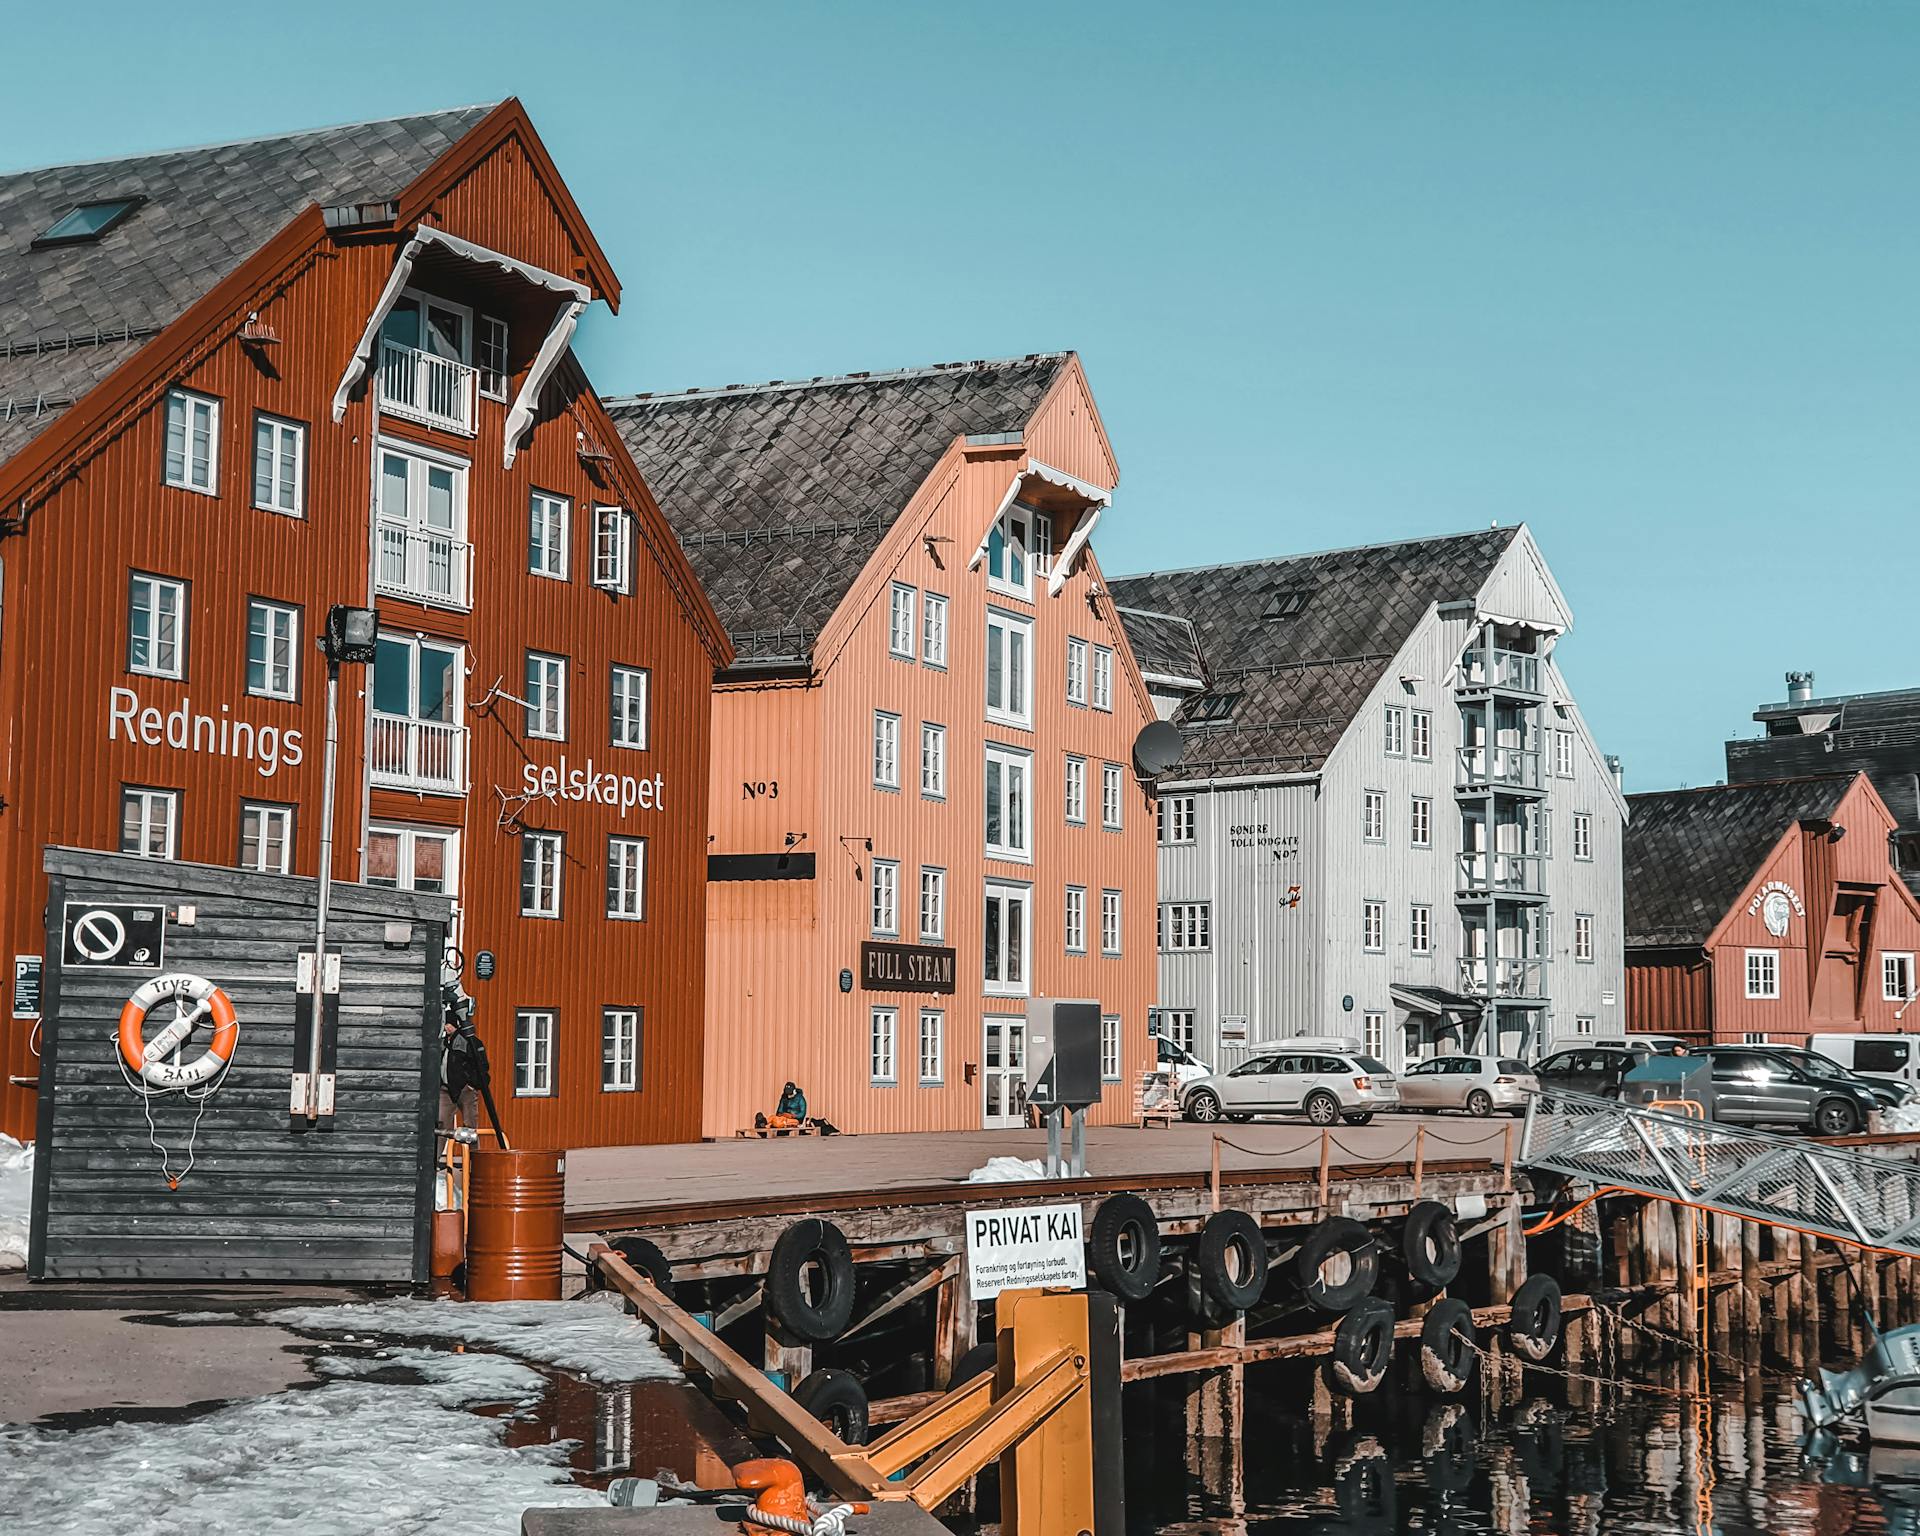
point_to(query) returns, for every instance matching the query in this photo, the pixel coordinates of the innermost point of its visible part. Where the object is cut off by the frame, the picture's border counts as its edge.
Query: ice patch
(16, 1201)
(596, 1340)
(346, 1456)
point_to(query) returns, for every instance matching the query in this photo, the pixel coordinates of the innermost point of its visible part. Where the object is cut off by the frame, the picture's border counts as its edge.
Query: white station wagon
(1325, 1086)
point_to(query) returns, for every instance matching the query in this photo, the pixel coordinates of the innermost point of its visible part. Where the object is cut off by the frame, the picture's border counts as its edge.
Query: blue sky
(1640, 274)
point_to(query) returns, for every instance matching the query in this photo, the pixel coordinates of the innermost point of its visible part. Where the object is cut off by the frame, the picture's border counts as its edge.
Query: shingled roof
(1688, 853)
(780, 493)
(71, 314)
(1292, 647)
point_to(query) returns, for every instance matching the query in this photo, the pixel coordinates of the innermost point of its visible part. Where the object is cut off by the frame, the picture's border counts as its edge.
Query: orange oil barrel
(514, 1225)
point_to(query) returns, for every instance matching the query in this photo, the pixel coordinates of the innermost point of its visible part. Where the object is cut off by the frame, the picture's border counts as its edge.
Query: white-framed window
(886, 897)
(1185, 925)
(421, 526)
(1109, 1048)
(1076, 671)
(546, 696)
(1110, 801)
(627, 707)
(279, 465)
(149, 821)
(1103, 678)
(1009, 669)
(933, 903)
(886, 750)
(1076, 791)
(1754, 1037)
(1420, 822)
(1076, 920)
(1373, 1033)
(1396, 730)
(933, 1046)
(533, 1034)
(418, 738)
(273, 644)
(541, 854)
(933, 760)
(1763, 972)
(1373, 815)
(1373, 925)
(612, 549)
(1009, 546)
(1583, 835)
(1007, 930)
(411, 858)
(1420, 733)
(1585, 1025)
(900, 636)
(266, 837)
(193, 442)
(933, 630)
(1042, 543)
(547, 519)
(620, 1050)
(1175, 816)
(1175, 1026)
(1420, 929)
(627, 878)
(1009, 815)
(1583, 937)
(490, 356)
(1563, 754)
(884, 1036)
(1896, 976)
(1109, 922)
(156, 625)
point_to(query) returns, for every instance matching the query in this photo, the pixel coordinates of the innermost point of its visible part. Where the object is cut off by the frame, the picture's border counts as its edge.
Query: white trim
(520, 417)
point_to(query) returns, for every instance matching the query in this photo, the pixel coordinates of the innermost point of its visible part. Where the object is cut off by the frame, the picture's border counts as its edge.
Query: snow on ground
(348, 1456)
(592, 1337)
(1005, 1170)
(16, 1201)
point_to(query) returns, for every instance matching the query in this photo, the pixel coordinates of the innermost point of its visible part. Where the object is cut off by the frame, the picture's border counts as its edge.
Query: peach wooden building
(924, 809)
(1767, 912)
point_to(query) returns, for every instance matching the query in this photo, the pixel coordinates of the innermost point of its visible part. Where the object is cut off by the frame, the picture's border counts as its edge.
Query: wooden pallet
(1164, 1113)
(770, 1132)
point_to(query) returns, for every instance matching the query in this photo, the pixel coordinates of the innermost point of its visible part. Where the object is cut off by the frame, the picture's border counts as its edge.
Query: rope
(147, 1095)
(826, 1522)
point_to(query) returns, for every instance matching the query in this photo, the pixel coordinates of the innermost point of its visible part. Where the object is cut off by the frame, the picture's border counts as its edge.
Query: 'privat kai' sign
(1024, 1245)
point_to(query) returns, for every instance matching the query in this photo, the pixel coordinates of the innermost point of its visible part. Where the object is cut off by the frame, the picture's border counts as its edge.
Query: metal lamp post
(352, 635)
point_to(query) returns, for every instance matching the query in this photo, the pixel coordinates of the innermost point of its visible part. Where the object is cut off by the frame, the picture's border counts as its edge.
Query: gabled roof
(1688, 853)
(70, 314)
(780, 493)
(1292, 647)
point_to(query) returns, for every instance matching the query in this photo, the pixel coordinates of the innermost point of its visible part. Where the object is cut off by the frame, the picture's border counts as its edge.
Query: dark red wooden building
(1767, 912)
(241, 384)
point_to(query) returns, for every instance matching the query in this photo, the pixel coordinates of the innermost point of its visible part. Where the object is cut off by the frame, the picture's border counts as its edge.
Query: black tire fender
(977, 1361)
(642, 1256)
(1448, 1353)
(1362, 1349)
(1231, 1257)
(1123, 1249)
(838, 1400)
(1430, 1245)
(821, 1247)
(1316, 1271)
(1534, 1326)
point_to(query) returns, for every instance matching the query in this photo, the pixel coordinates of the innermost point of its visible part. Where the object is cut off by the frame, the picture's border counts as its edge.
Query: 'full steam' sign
(1024, 1245)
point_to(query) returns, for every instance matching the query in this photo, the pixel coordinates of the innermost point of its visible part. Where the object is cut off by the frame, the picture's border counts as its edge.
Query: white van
(1890, 1056)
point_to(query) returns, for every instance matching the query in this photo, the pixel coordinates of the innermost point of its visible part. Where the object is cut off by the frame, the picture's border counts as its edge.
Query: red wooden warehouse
(1768, 911)
(240, 385)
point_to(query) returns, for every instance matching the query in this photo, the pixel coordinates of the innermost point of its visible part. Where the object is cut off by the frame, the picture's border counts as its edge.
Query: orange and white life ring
(194, 999)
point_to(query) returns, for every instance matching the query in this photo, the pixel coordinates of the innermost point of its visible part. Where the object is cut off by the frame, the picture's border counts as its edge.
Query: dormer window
(1010, 551)
(88, 221)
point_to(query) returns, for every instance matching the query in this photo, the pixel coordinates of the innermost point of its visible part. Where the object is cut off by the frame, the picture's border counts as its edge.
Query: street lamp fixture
(352, 634)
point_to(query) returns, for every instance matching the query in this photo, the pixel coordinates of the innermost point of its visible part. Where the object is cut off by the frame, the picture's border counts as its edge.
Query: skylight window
(88, 221)
(1212, 708)
(1284, 605)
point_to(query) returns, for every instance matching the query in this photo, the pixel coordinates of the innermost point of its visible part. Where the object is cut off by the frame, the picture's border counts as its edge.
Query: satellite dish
(1157, 748)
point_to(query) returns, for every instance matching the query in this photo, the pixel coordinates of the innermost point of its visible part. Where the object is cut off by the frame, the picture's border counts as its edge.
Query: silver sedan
(1475, 1085)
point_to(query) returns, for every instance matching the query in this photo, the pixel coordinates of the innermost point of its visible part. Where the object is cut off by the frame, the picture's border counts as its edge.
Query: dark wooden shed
(266, 1197)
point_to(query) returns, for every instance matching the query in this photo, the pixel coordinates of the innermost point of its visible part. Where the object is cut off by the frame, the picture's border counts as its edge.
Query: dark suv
(1755, 1086)
(1594, 1069)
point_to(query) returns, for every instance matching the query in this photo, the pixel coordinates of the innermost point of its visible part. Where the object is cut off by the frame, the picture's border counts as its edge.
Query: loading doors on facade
(1004, 1079)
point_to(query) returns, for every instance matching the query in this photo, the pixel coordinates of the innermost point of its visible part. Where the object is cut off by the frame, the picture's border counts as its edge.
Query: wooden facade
(89, 511)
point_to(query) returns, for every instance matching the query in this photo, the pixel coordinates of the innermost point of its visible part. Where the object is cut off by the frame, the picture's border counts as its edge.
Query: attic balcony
(1485, 671)
(425, 564)
(425, 387)
(1482, 769)
(1508, 978)
(1484, 875)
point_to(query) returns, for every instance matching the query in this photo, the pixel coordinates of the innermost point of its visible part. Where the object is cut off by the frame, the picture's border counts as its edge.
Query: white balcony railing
(1500, 871)
(436, 390)
(1510, 976)
(425, 564)
(1499, 767)
(418, 754)
(1515, 671)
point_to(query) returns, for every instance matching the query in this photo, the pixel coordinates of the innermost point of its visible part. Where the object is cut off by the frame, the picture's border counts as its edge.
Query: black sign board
(906, 968)
(112, 935)
(483, 965)
(26, 986)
